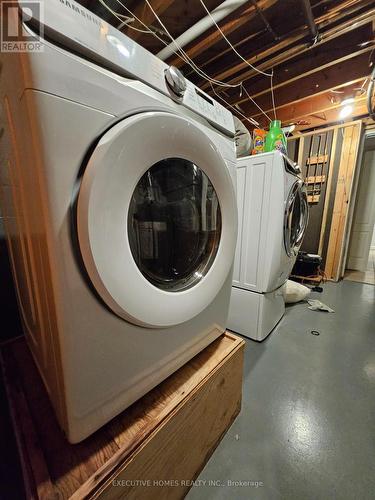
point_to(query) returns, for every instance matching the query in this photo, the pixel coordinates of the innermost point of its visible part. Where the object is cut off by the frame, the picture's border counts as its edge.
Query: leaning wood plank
(301, 146)
(339, 196)
(352, 162)
(328, 190)
(342, 197)
(56, 469)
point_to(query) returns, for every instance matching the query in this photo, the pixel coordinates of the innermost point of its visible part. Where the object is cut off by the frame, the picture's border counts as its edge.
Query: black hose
(370, 92)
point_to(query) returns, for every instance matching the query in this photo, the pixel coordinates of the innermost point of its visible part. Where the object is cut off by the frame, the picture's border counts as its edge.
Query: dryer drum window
(174, 224)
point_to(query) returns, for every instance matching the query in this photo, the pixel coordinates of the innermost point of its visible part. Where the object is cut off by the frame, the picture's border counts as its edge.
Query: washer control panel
(77, 29)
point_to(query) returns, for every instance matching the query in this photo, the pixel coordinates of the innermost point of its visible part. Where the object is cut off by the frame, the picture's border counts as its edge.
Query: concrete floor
(367, 276)
(307, 425)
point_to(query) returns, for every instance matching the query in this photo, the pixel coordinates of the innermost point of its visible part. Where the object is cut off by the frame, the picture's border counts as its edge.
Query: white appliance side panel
(241, 185)
(277, 265)
(272, 309)
(244, 312)
(254, 191)
(254, 176)
(255, 315)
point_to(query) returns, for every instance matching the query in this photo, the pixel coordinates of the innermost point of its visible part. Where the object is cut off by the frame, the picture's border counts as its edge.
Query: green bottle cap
(275, 123)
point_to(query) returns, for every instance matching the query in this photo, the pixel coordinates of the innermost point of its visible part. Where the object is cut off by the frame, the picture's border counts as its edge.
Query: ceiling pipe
(264, 19)
(310, 19)
(223, 10)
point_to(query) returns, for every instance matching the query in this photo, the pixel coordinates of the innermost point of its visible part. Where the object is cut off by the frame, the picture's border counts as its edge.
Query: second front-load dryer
(119, 205)
(273, 215)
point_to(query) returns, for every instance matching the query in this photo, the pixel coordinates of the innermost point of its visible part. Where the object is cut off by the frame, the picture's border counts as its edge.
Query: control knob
(175, 81)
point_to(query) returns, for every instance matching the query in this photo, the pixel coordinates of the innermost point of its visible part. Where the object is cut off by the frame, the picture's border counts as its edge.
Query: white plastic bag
(295, 292)
(316, 305)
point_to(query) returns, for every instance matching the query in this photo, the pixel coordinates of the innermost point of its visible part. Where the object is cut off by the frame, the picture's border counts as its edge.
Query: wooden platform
(167, 436)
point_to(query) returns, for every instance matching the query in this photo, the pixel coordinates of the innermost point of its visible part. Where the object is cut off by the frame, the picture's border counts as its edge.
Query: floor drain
(315, 332)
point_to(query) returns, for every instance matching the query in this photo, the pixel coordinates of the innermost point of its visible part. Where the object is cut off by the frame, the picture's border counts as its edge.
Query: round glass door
(157, 224)
(296, 218)
(174, 224)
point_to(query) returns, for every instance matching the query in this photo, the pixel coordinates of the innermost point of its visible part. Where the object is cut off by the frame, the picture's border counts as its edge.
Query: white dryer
(117, 189)
(273, 215)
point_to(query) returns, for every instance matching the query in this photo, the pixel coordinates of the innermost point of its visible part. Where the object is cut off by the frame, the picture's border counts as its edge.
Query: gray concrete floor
(307, 425)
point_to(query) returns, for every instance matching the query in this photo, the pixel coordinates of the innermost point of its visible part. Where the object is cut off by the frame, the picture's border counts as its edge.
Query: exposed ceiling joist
(321, 58)
(305, 75)
(334, 94)
(143, 12)
(318, 104)
(330, 117)
(353, 68)
(293, 46)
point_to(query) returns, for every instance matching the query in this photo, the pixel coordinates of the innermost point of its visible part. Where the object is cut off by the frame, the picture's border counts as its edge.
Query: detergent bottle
(275, 138)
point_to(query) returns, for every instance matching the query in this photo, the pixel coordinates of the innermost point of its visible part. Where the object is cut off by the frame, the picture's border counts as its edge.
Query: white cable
(124, 19)
(250, 120)
(229, 43)
(257, 105)
(273, 97)
(181, 56)
(211, 80)
(186, 60)
(185, 55)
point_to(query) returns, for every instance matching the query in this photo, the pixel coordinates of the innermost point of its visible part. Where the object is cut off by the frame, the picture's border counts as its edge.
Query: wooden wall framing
(340, 194)
(343, 193)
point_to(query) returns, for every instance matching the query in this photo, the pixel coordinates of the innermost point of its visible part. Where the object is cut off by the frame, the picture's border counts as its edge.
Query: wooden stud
(301, 145)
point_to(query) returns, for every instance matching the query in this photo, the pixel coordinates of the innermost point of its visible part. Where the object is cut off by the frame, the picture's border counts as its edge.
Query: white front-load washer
(118, 196)
(273, 215)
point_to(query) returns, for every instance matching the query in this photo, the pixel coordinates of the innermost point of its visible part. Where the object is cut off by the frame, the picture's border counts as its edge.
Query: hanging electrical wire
(186, 56)
(250, 120)
(211, 80)
(273, 96)
(181, 53)
(229, 43)
(125, 20)
(257, 105)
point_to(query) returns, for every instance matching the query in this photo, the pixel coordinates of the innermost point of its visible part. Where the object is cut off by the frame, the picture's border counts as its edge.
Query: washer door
(296, 218)
(157, 219)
